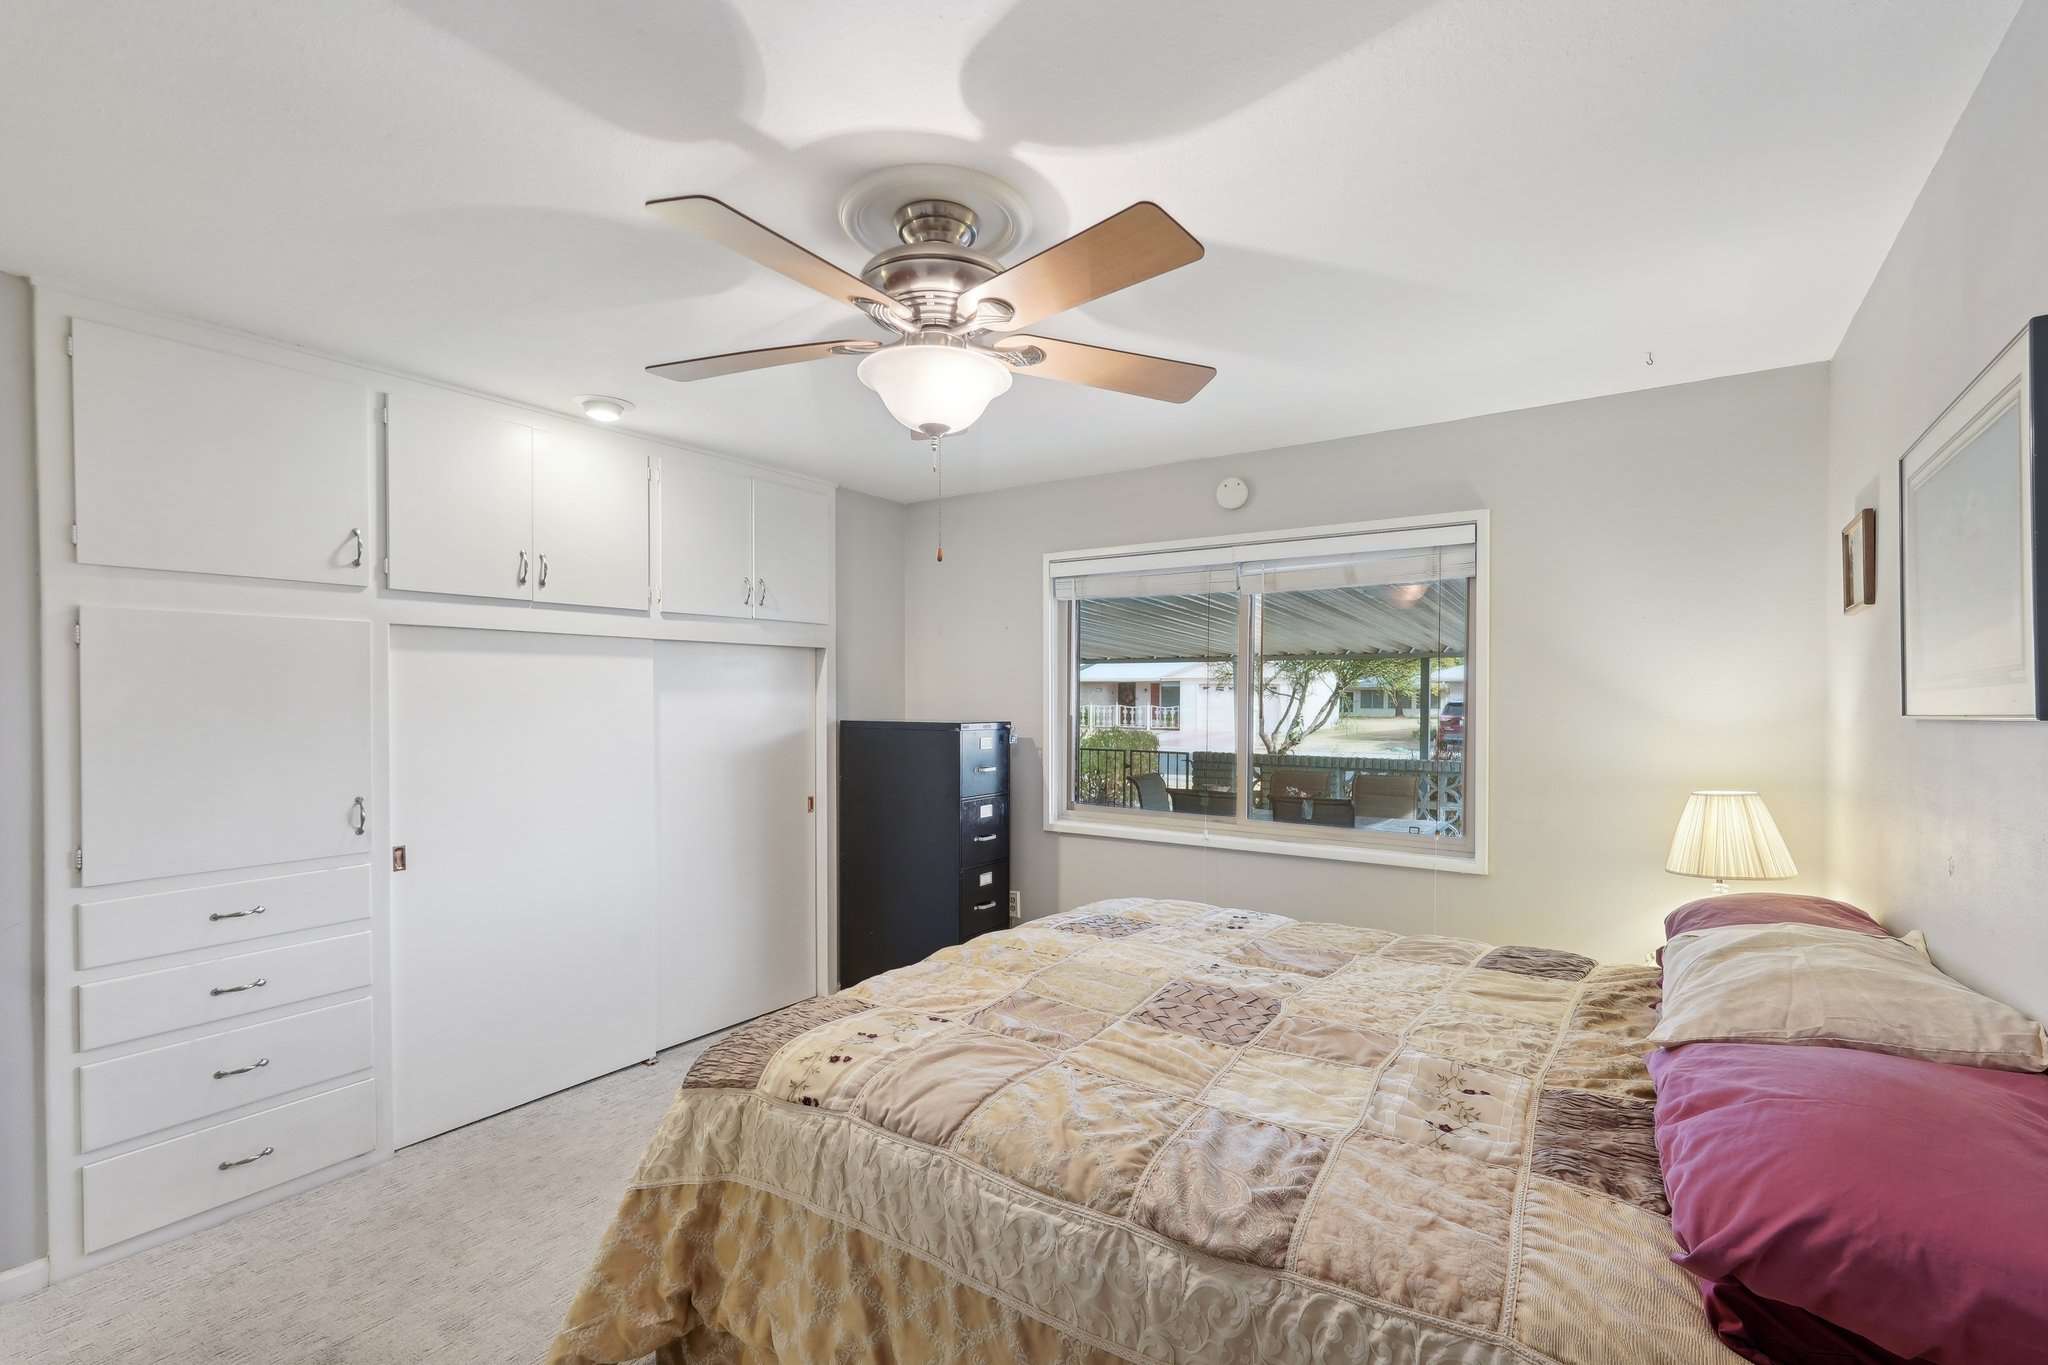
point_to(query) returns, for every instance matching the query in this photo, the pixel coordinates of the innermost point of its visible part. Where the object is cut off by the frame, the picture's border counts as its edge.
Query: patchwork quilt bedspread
(1162, 1131)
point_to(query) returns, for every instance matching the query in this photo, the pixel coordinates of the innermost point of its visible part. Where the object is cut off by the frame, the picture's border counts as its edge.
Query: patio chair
(1384, 796)
(1196, 801)
(1151, 791)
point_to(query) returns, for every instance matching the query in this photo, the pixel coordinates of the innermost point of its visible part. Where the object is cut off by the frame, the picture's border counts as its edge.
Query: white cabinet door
(589, 519)
(735, 919)
(792, 552)
(193, 459)
(461, 497)
(209, 740)
(522, 930)
(707, 537)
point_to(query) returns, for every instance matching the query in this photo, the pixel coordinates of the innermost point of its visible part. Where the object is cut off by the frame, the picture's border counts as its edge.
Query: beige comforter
(1166, 1132)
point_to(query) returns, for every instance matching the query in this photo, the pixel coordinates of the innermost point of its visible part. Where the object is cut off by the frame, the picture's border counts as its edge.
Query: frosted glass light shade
(935, 389)
(1729, 835)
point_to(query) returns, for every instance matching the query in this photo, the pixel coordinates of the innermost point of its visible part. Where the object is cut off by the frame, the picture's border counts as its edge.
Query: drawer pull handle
(358, 815)
(245, 986)
(236, 914)
(986, 905)
(245, 1160)
(984, 838)
(988, 768)
(241, 1070)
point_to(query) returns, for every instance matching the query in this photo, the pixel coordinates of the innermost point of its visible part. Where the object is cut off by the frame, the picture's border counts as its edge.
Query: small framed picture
(1971, 614)
(1859, 562)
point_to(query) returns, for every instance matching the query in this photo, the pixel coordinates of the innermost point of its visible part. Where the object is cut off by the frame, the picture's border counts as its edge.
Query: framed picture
(1859, 562)
(1970, 512)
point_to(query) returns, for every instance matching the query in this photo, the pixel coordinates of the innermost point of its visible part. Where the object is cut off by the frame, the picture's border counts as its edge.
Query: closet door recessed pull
(359, 547)
(237, 914)
(543, 571)
(986, 905)
(984, 838)
(748, 599)
(241, 1070)
(359, 816)
(522, 568)
(245, 986)
(245, 1160)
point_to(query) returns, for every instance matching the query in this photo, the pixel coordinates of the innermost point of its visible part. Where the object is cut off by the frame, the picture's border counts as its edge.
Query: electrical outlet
(1016, 906)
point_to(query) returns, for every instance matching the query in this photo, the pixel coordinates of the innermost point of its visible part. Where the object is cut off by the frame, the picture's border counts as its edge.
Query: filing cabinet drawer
(984, 900)
(167, 1086)
(126, 1196)
(177, 997)
(984, 830)
(984, 760)
(219, 916)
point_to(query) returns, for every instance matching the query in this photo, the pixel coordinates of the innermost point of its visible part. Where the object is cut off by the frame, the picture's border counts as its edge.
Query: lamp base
(1720, 887)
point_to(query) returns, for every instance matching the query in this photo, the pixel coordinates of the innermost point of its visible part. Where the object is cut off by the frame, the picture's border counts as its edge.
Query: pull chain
(939, 479)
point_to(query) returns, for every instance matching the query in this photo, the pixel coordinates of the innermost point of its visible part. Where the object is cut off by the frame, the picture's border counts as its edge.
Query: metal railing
(1102, 777)
(1105, 716)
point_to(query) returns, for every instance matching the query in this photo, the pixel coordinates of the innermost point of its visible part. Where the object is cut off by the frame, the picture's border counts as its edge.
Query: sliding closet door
(522, 930)
(736, 920)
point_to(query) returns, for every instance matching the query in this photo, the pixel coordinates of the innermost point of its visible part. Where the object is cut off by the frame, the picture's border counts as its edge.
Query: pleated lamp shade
(1729, 835)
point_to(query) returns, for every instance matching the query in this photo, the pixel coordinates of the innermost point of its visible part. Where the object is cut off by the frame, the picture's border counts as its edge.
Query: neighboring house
(1173, 698)
(1375, 699)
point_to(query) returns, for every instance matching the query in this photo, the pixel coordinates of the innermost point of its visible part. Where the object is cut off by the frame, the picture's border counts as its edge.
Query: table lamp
(1728, 834)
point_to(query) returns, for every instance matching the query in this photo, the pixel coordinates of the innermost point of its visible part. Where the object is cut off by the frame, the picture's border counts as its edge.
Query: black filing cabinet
(924, 839)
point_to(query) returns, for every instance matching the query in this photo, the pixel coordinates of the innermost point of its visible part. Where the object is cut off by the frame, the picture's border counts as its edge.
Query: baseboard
(23, 1280)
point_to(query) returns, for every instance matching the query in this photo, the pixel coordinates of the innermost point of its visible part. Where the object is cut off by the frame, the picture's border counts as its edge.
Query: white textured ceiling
(1415, 209)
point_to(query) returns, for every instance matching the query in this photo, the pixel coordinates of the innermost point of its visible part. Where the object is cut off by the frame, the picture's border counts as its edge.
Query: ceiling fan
(955, 314)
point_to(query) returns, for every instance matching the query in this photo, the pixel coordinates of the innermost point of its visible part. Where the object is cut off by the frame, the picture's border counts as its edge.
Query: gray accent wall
(1660, 584)
(21, 1031)
(1942, 825)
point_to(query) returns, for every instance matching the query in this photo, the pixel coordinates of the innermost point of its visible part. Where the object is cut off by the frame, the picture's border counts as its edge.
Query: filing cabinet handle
(984, 838)
(748, 599)
(359, 547)
(359, 815)
(989, 768)
(245, 1160)
(543, 571)
(236, 914)
(522, 569)
(986, 905)
(241, 1070)
(245, 986)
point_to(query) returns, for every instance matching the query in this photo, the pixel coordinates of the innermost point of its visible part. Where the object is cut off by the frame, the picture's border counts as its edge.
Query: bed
(1162, 1131)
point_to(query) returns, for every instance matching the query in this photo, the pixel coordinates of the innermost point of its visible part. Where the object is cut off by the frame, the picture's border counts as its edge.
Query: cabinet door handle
(236, 914)
(522, 568)
(986, 905)
(245, 986)
(543, 571)
(761, 599)
(357, 533)
(245, 1160)
(748, 584)
(985, 838)
(359, 816)
(241, 1070)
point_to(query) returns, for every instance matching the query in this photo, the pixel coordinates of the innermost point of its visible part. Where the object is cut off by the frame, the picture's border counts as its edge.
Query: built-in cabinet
(485, 506)
(740, 544)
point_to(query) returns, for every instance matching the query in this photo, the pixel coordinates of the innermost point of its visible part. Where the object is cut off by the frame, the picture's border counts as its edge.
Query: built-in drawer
(177, 997)
(219, 916)
(167, 1086)
(984, 761)
(984, 900)
(984, 830)
(126, 1196)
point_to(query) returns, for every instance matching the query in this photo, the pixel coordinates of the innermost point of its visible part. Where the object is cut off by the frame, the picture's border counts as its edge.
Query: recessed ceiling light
(598, 408)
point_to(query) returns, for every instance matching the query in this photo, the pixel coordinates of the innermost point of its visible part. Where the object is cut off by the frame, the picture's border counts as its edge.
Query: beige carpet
(464, 1248)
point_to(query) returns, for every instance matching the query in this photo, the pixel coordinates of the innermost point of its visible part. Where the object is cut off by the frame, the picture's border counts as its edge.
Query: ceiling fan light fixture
(934, 381)
(599, 408)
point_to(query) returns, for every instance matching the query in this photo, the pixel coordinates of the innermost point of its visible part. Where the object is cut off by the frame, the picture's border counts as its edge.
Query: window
(1316, 692)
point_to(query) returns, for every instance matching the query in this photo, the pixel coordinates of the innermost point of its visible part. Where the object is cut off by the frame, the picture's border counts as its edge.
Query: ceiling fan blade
(736, 362)
(1147, 376)
(1120, 251)
(721, 223)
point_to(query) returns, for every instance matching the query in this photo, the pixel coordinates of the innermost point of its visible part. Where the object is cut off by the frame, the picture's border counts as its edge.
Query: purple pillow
(1768, 907)
(1900, 1200)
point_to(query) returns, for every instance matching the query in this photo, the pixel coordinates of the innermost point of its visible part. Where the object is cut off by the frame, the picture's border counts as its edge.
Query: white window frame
(1063, 817)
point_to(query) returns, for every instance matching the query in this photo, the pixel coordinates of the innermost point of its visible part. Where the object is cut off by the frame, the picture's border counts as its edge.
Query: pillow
(1801, 983)
(1897, 1199)
(1768, 907)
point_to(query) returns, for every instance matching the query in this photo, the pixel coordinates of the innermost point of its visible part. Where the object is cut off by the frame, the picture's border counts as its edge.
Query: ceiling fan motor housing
(936, 263)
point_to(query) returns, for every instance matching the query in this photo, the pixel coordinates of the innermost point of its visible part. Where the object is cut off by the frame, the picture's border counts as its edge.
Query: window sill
(1289, 846)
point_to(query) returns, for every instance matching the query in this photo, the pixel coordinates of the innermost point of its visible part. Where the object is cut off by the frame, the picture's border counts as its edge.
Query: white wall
(1659, 586)
(868, 636)
(1942, 825)
(21, 1186)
